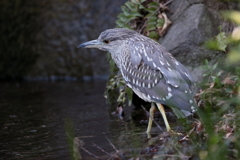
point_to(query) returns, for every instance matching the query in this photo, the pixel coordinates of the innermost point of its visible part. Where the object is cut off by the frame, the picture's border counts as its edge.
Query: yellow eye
(106, 41)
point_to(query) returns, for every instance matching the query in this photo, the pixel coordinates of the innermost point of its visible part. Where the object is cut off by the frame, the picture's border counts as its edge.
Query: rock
(193, 24)
(66, 25)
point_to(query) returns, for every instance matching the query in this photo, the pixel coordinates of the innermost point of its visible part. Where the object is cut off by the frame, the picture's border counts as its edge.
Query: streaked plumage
(148, 69)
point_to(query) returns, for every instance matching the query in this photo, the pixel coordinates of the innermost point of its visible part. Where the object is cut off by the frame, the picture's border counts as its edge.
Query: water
(38, 119)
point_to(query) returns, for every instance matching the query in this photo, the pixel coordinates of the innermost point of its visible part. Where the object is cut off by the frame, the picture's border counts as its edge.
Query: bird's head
(110, 39)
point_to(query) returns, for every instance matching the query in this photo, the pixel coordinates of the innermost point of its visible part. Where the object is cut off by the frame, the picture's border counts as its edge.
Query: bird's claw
(174, 133)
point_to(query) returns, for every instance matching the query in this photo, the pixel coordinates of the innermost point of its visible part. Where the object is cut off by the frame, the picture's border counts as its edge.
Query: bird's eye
(106, 41)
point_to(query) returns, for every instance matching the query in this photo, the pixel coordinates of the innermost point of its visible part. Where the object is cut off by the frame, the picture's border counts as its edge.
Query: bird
(150, 71)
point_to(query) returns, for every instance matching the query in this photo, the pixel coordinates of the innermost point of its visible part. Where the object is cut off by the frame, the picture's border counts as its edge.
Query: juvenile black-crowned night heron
(149, 70)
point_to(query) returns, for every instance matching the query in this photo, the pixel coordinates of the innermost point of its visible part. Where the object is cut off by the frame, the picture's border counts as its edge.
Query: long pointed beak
(91, 44)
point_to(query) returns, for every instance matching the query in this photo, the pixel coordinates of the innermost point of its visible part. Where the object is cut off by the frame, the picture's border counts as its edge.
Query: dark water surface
(37, 118)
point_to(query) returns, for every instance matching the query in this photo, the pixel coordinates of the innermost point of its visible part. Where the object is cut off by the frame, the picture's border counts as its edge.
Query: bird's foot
(168, 132)
(174, 133)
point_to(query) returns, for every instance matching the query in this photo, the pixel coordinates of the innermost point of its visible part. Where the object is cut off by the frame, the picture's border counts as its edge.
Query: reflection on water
(33, 117)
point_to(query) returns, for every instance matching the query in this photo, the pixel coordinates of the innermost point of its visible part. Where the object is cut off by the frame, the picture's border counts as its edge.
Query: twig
(78, 143)
(111, 143)
(99, 148)
(152, 118)
(91, 154)
(169, 155)
(148, 19)
(177, 10)
(153, 14)
(117, 151)
(167, 2)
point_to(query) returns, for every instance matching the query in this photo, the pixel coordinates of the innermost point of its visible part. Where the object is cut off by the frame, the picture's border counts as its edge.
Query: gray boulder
(194, 22)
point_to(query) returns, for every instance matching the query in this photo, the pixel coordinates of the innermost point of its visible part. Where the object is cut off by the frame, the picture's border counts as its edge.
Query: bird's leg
(151, 115)
(161, 109)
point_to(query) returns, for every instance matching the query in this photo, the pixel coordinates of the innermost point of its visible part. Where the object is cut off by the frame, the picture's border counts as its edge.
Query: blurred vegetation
(219, 112)
(20, 23)
(219, 97)
(146, 17)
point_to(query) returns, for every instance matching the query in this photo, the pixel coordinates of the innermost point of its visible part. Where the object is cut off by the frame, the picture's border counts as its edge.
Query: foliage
(147, 18)
(234, 39)
(218, 43)
(219, 99)
(219, 111)
(19, 26)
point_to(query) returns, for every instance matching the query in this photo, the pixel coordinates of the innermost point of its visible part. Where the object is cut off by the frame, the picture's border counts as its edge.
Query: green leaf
(131, 6)
(211, 44)
(233, 56)
(151, 10)
(136, 1)
(160, 22)
(153, 5)
(150, 27)
(129, 93)
(204, 75)
(206, 62)
(153, 19)
(126, 18)
(140, 6)
(136, 13)
(214, 66)
(121, 98)
(131, 17)
(122, 17)
(148, 15)
(153, 35)
(122, 24)
(125, 10)
(151, 23)
(221, 41)
(219, 73)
